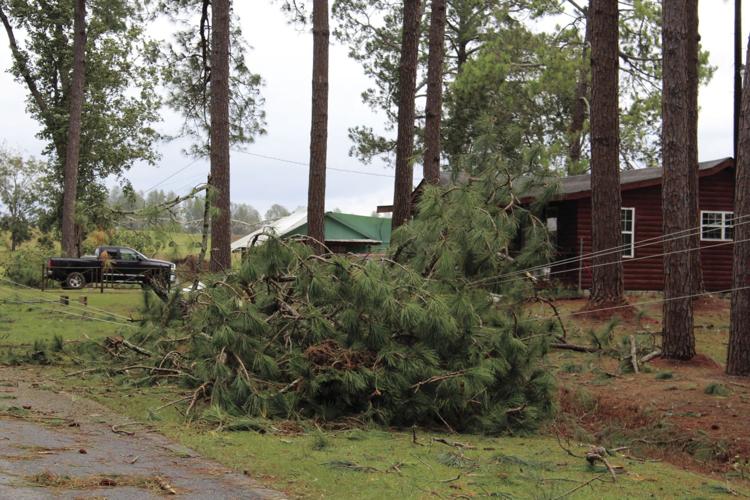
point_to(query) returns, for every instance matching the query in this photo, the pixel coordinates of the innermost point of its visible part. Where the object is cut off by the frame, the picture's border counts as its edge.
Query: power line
(88, 308)
(644, 257)
(303, 164)
(83, 316)
(174, 174)
(644, 303)
(608, 251)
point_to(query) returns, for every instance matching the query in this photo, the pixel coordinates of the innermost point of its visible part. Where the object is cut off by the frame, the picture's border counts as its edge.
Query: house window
(717, 226)
(627, 223)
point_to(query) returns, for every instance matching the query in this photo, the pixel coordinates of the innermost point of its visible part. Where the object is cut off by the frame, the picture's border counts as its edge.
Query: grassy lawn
(29, 315)
(380, 463)
(309, 462)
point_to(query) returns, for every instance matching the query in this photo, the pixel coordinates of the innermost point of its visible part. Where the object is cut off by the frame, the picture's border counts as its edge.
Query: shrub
(25, 267)
(716, 389)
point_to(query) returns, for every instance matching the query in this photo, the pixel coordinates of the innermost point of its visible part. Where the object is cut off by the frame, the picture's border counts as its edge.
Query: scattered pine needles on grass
(64, 482)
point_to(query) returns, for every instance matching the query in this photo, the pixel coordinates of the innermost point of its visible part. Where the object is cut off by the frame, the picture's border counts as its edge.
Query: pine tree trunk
(73, 149)
(434, 108)
(316, 191)
(737, 73)
(738, 357)
(607, 281)
(578, 116)
(407, 89)
(204, 234)
(696, 268)
(678, 341)
(221, 224)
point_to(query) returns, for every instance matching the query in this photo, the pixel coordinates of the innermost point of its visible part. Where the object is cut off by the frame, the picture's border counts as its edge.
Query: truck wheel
(76, 281)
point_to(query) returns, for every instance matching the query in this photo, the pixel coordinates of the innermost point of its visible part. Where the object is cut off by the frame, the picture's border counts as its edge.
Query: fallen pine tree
(415, 338)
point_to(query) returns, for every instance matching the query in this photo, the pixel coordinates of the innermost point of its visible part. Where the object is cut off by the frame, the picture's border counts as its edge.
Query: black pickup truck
(111, 265)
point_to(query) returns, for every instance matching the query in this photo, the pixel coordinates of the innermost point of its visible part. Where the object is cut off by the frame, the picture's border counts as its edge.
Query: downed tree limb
(139, 350)
(634, 354)
(291, 386)
(597, 454)
(454, 444)
(648, 357)
(437, 378)
(560, 321)
(574, 347)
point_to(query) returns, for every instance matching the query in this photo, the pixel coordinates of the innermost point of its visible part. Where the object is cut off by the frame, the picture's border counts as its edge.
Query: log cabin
(569, 221)
(569, 218)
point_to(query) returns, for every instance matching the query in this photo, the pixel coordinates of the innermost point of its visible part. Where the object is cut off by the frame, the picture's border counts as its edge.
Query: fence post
(101, 278)
(44, 276)
(580, 267)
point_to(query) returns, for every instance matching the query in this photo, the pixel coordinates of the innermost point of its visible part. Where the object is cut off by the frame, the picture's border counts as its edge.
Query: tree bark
(678, 341)
(221, 224)
(737, 72)
(578, 117)
(696, 268)
(607, 281)
(407, 89)
(316, 191)
(73, 149)
(434, 108)
(738, 357)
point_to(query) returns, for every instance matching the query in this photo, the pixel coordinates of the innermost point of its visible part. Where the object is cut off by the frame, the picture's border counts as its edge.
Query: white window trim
(724, 216)
(631, 254)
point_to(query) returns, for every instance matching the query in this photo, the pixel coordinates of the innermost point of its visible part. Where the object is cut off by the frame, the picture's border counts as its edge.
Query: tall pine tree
(221, 223)
(606, 205)
(316, 191)
(693, 54)
(678, 339)
(738, 357)
(407, 88)
(434, 107)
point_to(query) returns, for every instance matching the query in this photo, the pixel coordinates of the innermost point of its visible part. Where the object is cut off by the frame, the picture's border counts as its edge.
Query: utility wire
(608, 251)
(174, 174)
(644, 303)
(87, 308)
(303, 164)
(644, 257)
(83, 316)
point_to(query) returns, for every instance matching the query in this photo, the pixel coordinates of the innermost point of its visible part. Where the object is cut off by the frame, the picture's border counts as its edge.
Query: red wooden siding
(645, 270)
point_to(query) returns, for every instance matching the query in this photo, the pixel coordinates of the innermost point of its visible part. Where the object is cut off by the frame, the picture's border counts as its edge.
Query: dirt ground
(58, 445)
(671, 409)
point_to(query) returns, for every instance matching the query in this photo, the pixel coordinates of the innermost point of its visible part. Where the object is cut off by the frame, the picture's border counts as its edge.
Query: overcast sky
(283, 56)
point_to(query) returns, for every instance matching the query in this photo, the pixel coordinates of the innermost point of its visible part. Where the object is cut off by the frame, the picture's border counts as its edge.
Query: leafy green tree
(19, 195)
(276, 212)
(245, 218)
(120, 99)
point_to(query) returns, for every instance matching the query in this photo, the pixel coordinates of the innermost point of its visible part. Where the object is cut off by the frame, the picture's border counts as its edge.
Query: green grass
(28, 315)
(378, 463)
(353, 463)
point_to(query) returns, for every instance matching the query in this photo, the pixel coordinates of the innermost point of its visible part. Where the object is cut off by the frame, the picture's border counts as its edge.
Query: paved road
(56, 445)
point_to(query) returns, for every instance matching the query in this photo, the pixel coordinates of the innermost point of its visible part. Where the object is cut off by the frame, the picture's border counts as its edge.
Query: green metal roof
(372, 232)
(374, 228)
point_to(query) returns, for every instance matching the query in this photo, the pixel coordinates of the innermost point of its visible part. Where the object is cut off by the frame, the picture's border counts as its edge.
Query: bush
(25, 267)
(717, 389)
